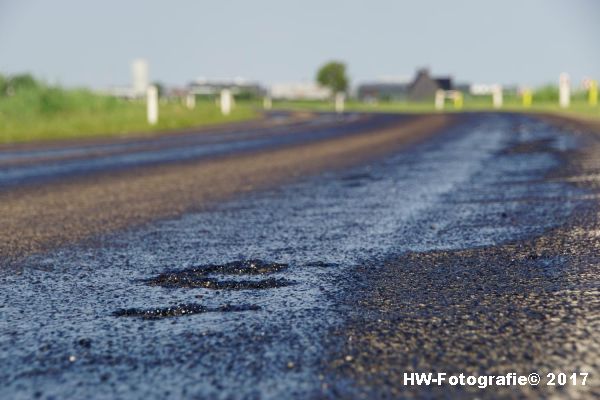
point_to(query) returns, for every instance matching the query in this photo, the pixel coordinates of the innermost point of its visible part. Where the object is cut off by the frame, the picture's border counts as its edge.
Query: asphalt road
(331, 257)
(40, 164)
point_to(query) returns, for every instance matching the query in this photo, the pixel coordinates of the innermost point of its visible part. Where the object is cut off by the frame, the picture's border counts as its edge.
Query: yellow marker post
(458, 100)
(593, 93)
(527, 98)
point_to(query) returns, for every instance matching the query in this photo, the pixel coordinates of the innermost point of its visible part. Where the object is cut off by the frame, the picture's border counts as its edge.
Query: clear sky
(84, 42)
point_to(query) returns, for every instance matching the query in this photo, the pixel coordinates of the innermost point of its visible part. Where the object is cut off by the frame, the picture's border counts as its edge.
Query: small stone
(72, 358)
(290, 365)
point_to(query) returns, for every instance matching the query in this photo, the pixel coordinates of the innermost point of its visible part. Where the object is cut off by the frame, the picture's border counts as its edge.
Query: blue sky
(92, 43)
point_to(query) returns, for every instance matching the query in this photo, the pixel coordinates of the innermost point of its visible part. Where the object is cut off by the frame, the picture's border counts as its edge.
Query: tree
(3, 85)
(22, 81)
(333, 75)
(160, 88)
(9, 85)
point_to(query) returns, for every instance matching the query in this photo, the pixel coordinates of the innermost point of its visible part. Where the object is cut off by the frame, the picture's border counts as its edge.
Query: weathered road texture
(525, 306)
(473, 251)
(38, 217)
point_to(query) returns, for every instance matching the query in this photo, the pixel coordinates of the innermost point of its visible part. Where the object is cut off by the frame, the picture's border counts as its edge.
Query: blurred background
(71, 69)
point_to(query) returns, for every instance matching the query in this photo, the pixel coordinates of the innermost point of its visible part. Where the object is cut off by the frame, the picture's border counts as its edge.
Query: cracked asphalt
(323, 265)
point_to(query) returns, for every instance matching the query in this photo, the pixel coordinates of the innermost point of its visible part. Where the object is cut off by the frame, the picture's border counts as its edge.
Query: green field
(33, 111)
(118, 119)
(109, 118)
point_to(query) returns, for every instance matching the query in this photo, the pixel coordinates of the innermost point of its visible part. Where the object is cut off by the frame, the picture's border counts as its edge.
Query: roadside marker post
(440, 97)
(152, 104)
(267, 103)
(226, 102)
(458, 100)
(497, 98)
(593, 93)
(190, 101)
(527, 98)
(564, 90)
(454, 95)
(340, 98)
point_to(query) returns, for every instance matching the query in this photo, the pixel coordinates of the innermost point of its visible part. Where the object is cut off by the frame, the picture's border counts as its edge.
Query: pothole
(203, 276)
(208, 277)
(192, 280)
(245, 267)
(181, 310)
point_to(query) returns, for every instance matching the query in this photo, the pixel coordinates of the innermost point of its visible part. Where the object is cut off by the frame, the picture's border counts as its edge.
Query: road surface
(321, 258)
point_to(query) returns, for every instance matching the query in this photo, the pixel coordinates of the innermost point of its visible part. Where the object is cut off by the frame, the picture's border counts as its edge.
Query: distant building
(422, 88)
(482, 89)
(139, 83)
(123, 92)
(299, 91)
(139, 72)
(462, 87)
(386, 91)
(239, 87)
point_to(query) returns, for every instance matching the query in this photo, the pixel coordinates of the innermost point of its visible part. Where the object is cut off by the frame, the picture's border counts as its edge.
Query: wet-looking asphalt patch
(480, 184)
(204, 276)
(180, 310)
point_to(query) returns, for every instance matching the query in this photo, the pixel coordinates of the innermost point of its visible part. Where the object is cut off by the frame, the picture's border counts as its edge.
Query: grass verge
(122, 117)
(579, 108)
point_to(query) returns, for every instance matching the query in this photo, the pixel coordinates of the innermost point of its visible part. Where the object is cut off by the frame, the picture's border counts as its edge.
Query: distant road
(78, 189)
(22, 164)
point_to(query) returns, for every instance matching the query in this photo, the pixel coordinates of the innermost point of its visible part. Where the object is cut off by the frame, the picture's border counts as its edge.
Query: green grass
(579, 106)
(122, 118)
(36, 112)
(30, 110)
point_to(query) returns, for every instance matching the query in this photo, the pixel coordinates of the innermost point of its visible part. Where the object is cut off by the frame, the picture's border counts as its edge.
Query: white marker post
(440, 98)
(267, 102)
(497, 98)
(564, 90)
(190, 101)
(152, 104)
(593, 93)
(226, 101)
(340, 97)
